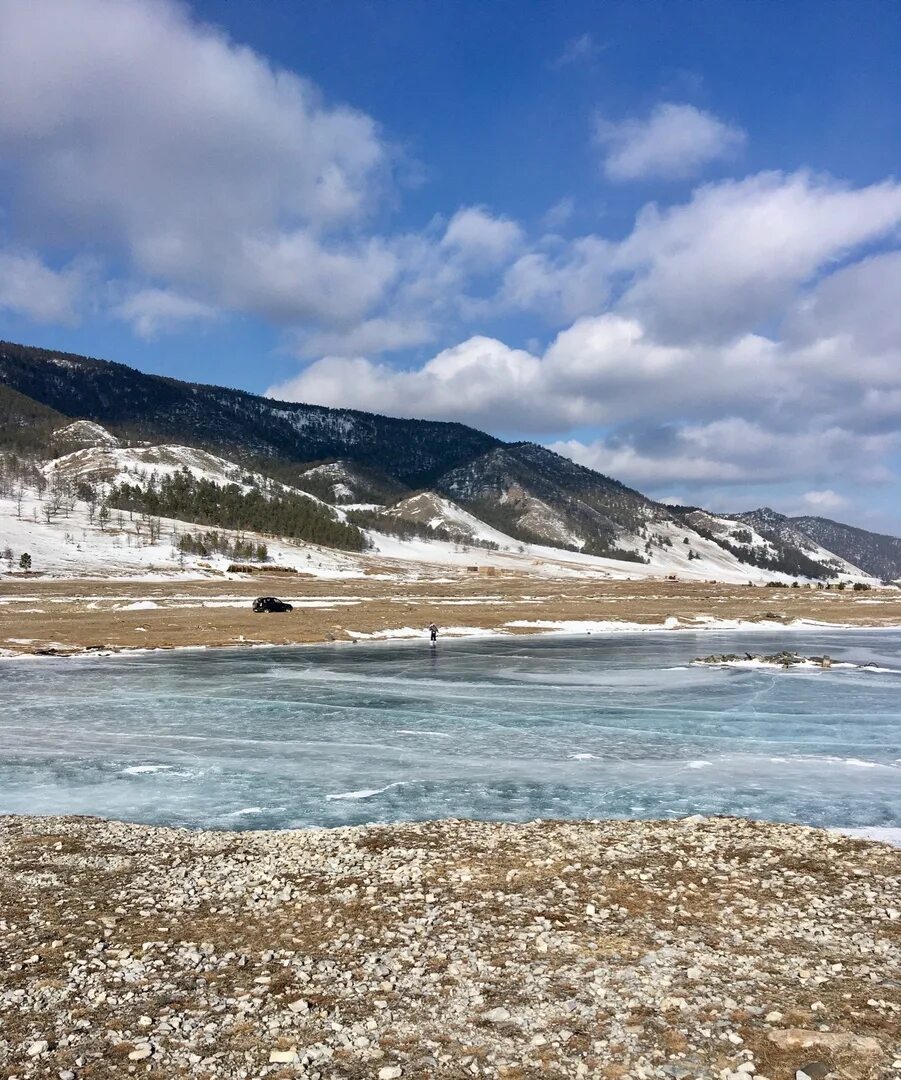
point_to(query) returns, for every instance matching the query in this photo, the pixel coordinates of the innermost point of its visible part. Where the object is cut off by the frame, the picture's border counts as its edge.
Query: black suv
(270, 603)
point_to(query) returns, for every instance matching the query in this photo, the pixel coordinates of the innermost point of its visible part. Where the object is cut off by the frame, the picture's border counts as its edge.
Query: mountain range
(347, 458)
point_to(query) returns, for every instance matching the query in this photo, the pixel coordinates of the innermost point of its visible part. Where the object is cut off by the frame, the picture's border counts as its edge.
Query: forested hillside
(875, 553)
(266, 450)
(240, 425)
(203, 502)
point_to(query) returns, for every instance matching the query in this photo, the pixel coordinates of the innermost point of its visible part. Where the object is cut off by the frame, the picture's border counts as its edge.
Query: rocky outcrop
(784, 659)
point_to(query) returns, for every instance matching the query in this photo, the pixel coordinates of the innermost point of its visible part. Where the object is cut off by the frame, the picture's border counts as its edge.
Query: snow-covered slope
(875, 553)
(71, 545)
(520, 490)
(74, 545)
(335, 476)
(135, 465)
(106, 466)
(345, 483)
(771, 529)
(539, 496)
(691, 545)
(82, 434)
(437, 512)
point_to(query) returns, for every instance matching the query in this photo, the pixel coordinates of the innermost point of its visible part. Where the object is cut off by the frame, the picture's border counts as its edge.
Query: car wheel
(289, 608)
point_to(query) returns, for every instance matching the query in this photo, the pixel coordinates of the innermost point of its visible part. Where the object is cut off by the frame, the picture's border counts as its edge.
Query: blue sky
(663, 238)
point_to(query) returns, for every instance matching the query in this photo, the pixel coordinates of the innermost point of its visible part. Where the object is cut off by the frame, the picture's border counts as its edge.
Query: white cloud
(127, 125)
(674, 141)
(577, 50)
(738, 251)
(564, 283)
(734, 256)
(197, 170)
(739, 452)
(29, 287)
(858, 302)
(373, 336)
(467, 380)
(476, 235)
(601, 370)
(292, 277)
(821, 502)
(155, 311)
(558, 214)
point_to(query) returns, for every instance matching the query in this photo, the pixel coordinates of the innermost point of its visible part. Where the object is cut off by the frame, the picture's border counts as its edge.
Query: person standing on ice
(433, 632)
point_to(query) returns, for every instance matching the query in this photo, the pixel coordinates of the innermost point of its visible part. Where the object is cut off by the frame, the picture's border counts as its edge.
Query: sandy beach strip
(700, 948)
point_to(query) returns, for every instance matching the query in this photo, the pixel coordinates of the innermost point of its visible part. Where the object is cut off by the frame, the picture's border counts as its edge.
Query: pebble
(551, 947)
(283, 1057)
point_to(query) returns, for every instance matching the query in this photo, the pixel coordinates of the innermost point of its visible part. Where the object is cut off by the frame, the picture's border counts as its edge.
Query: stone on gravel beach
(716, 949)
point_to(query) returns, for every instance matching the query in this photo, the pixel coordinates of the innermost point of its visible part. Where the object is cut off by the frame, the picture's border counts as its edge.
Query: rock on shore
(715, 948)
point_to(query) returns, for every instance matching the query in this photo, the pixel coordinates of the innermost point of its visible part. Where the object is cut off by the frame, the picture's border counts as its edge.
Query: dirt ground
(39, 615)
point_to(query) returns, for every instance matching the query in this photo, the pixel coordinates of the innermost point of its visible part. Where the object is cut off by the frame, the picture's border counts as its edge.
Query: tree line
(204, 502)
(783, 560)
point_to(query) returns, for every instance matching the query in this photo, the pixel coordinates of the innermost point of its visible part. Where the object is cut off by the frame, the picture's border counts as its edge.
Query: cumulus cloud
(29, 287)
(612, 370)
(570, 280)
(674, 141)
(601, 370)
(732, 257)
(467, 380)
(475, 234)
(153, 311)
(735, 451)
(857, 302)
(737, 251)
(126, 124)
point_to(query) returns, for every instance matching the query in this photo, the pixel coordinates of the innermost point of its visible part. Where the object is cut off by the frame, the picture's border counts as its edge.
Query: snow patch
(362, 793)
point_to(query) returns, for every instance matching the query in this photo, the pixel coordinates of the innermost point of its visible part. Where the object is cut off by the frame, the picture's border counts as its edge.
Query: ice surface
(502, 728)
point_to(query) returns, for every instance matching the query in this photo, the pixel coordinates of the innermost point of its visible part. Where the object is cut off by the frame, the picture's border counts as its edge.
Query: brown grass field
(71, 615)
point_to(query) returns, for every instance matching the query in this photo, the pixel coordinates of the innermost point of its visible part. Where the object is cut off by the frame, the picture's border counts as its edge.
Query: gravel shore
(717, 948)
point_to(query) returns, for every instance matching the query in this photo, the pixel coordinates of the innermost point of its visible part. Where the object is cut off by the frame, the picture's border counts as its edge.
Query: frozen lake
(596, 726)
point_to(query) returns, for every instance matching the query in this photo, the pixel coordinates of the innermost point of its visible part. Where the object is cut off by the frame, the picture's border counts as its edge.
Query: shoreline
(715, 948)
(399, 636)
(889, 835)
(83, 617)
